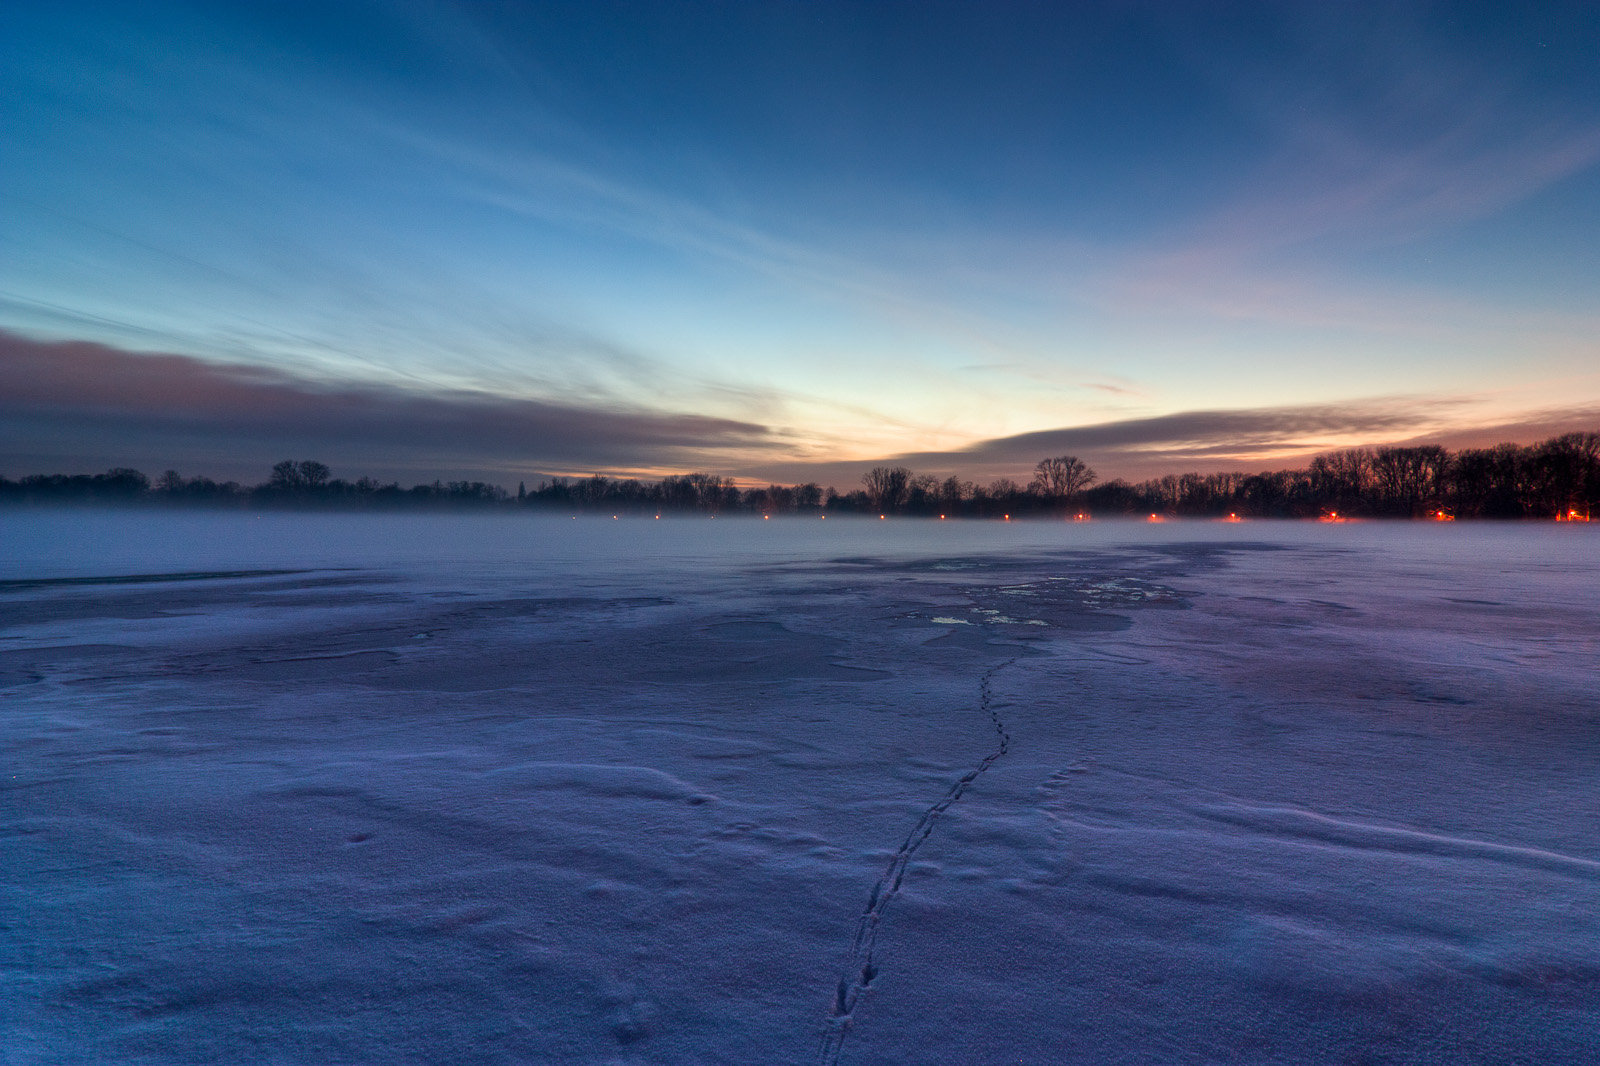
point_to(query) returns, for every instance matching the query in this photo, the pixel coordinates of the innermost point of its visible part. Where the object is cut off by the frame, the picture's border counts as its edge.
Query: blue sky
(783, 240)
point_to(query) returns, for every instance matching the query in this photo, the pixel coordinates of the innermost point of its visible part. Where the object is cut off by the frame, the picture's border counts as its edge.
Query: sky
(787, 241)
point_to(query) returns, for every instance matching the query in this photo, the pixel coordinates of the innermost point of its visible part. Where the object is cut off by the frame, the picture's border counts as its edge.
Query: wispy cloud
(1380, 132)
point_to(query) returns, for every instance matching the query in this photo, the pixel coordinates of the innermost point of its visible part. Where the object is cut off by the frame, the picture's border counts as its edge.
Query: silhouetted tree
(313, 474)
(1341, 480)
(1406, 481)
(286, 476)
(1062, 477)
(952, 491)
(887, 487)
(1564, 475)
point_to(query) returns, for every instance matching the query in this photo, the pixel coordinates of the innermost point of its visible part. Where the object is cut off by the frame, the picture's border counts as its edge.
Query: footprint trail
(862, 971)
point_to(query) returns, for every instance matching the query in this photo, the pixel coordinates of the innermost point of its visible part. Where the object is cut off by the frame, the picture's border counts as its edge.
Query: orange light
(880, 516)
(766, 518)
(941, 518)
(1008, 518)
(658, 518)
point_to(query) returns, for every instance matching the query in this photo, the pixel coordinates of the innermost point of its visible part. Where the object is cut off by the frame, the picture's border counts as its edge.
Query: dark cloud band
(92, 403)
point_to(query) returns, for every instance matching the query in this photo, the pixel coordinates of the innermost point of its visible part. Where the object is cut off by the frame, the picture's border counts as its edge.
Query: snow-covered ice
(333, 789)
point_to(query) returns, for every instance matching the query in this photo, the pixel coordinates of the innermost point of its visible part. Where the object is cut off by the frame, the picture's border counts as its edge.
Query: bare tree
(1064, 475)
(887, 486)
(1003, 488)
(313, 474)
(286, 475)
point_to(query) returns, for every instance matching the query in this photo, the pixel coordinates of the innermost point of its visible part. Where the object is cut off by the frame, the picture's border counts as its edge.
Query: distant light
(880, 516)
(766, 518)
(658, 518)
(613, 518)
(941, 518)
(1008, 518)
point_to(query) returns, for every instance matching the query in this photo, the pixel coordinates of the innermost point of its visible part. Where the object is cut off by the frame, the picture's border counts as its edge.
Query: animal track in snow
(860, 974)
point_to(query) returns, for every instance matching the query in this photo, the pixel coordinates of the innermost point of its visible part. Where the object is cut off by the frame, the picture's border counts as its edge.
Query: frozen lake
(395, 789)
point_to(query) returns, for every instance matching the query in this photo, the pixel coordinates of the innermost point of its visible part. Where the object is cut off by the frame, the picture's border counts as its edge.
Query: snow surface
(333, 789)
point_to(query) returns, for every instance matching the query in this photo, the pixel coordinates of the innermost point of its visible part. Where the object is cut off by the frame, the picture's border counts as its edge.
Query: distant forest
(1558, 478)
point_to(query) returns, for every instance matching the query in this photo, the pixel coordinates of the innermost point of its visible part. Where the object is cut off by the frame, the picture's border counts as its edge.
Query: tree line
(306, 483)
(1556, 477)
